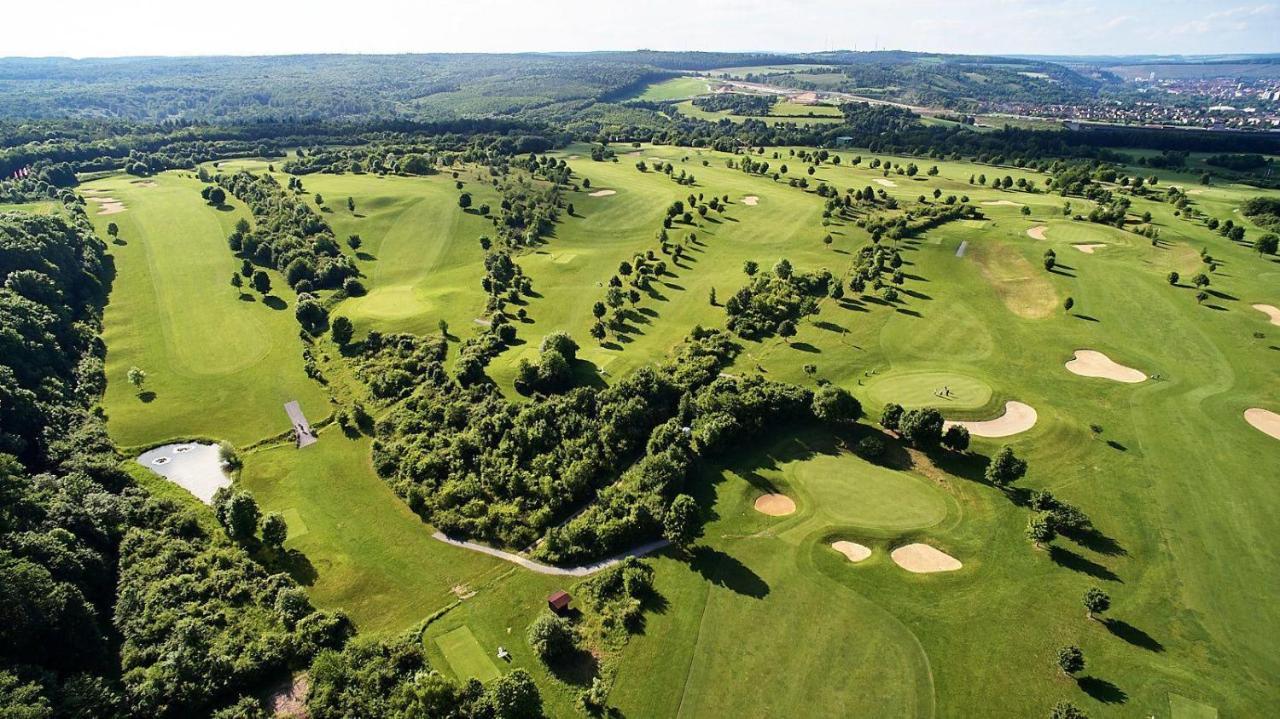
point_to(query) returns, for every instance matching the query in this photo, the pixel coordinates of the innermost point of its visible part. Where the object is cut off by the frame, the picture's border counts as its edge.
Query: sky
(93, 28)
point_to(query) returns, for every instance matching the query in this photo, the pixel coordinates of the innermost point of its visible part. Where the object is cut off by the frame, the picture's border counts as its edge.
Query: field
(764, 617)
(676, 88)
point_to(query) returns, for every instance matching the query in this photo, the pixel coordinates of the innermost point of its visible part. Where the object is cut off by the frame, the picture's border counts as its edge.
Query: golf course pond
(193, 466)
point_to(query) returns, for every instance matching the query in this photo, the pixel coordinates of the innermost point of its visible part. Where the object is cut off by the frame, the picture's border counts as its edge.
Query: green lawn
(465, 656)
(219, 363)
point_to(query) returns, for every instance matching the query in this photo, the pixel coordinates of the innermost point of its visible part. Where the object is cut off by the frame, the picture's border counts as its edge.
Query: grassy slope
(677, 88)
(218, 366)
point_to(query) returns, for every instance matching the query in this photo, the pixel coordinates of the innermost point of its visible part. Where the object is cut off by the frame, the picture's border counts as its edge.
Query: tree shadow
(118, 241)
(1133, 635)
(147, 397)
(274, 302)
(829, 326)
(805, 347)
(1102, 690)
(366, 257)
(907, 312)
(1064, 557)
(1086, 318)
(726, 571)
(1096, 541)
(1116, 445)
(296, 565)
(577, 668)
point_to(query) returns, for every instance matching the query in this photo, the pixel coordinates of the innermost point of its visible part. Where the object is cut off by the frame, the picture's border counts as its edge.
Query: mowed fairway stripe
(216, 365)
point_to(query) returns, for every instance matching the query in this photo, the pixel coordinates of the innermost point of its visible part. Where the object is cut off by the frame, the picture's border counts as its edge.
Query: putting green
(853, 491)
(466, 657)
(918, 388)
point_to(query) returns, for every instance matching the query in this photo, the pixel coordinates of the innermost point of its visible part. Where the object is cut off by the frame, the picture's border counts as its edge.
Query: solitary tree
(1005, 468)
(261, 282)
(1096, 601)
(1173, 278)
(351, 204)
(1070, 660)
(342, 330)
(1049, 262)
(956, 438)
(137, 377)
(237, 281)
(113, 229)
(1040, 529)
(217, 196)
(319, 199)
(274, 530)
(1068, 304)
(354, 242)
(464, 200)
(680, 525)
(890, 416)
(787, 330)
(237, 512)
(550, 637)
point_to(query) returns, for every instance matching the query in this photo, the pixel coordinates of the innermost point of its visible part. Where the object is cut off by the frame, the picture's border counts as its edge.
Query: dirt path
(579, 571)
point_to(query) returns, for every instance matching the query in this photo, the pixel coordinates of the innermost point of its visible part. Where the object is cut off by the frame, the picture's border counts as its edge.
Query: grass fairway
(465, 656)
(217, 365)
(420, 249)
(362, 550)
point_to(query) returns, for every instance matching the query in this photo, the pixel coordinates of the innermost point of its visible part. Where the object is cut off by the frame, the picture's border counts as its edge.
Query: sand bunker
(1017, 417)
(886, 183)
(193, 466)
(108, 205)
(1002, 203)
(145, 183)
(1089, 248)
(1263, 420)
(1270, 311)
(1037, 232)
(603, 193)
(852, 551)
(751, 200)
(775, 505)
(923, 559)
(1090, 363)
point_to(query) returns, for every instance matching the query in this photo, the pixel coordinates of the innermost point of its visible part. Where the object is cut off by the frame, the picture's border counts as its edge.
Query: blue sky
(83, 28)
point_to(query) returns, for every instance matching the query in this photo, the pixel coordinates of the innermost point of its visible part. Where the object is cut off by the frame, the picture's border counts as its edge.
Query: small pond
(193, 466)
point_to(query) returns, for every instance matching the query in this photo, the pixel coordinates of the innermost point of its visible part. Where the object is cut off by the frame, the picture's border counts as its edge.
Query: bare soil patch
(775, 505)
(1002, 203)
(852, 551)
(1017, 417)
(1090, 247)
(1037, 232)
(886, 183)
(751, 200)
(289, 700)
(923, 559)
(1271, 311)
(1263, 420)
(1091, 363)
(603, 193)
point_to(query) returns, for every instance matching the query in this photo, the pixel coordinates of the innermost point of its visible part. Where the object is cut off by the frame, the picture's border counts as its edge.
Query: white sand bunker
(751, 200)
(923, 559)
(775, 505)
(1090, 363)
(1271, 311)
(1017, 417)
(1037, 232)
(109, 205)
(603, 193)
(145, 183)
(1263, 420)
(1090, 247)
(1002, 203)
(852, 551)
(886, 183)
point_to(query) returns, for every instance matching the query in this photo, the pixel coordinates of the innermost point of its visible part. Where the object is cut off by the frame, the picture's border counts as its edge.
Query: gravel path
(580, 571)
